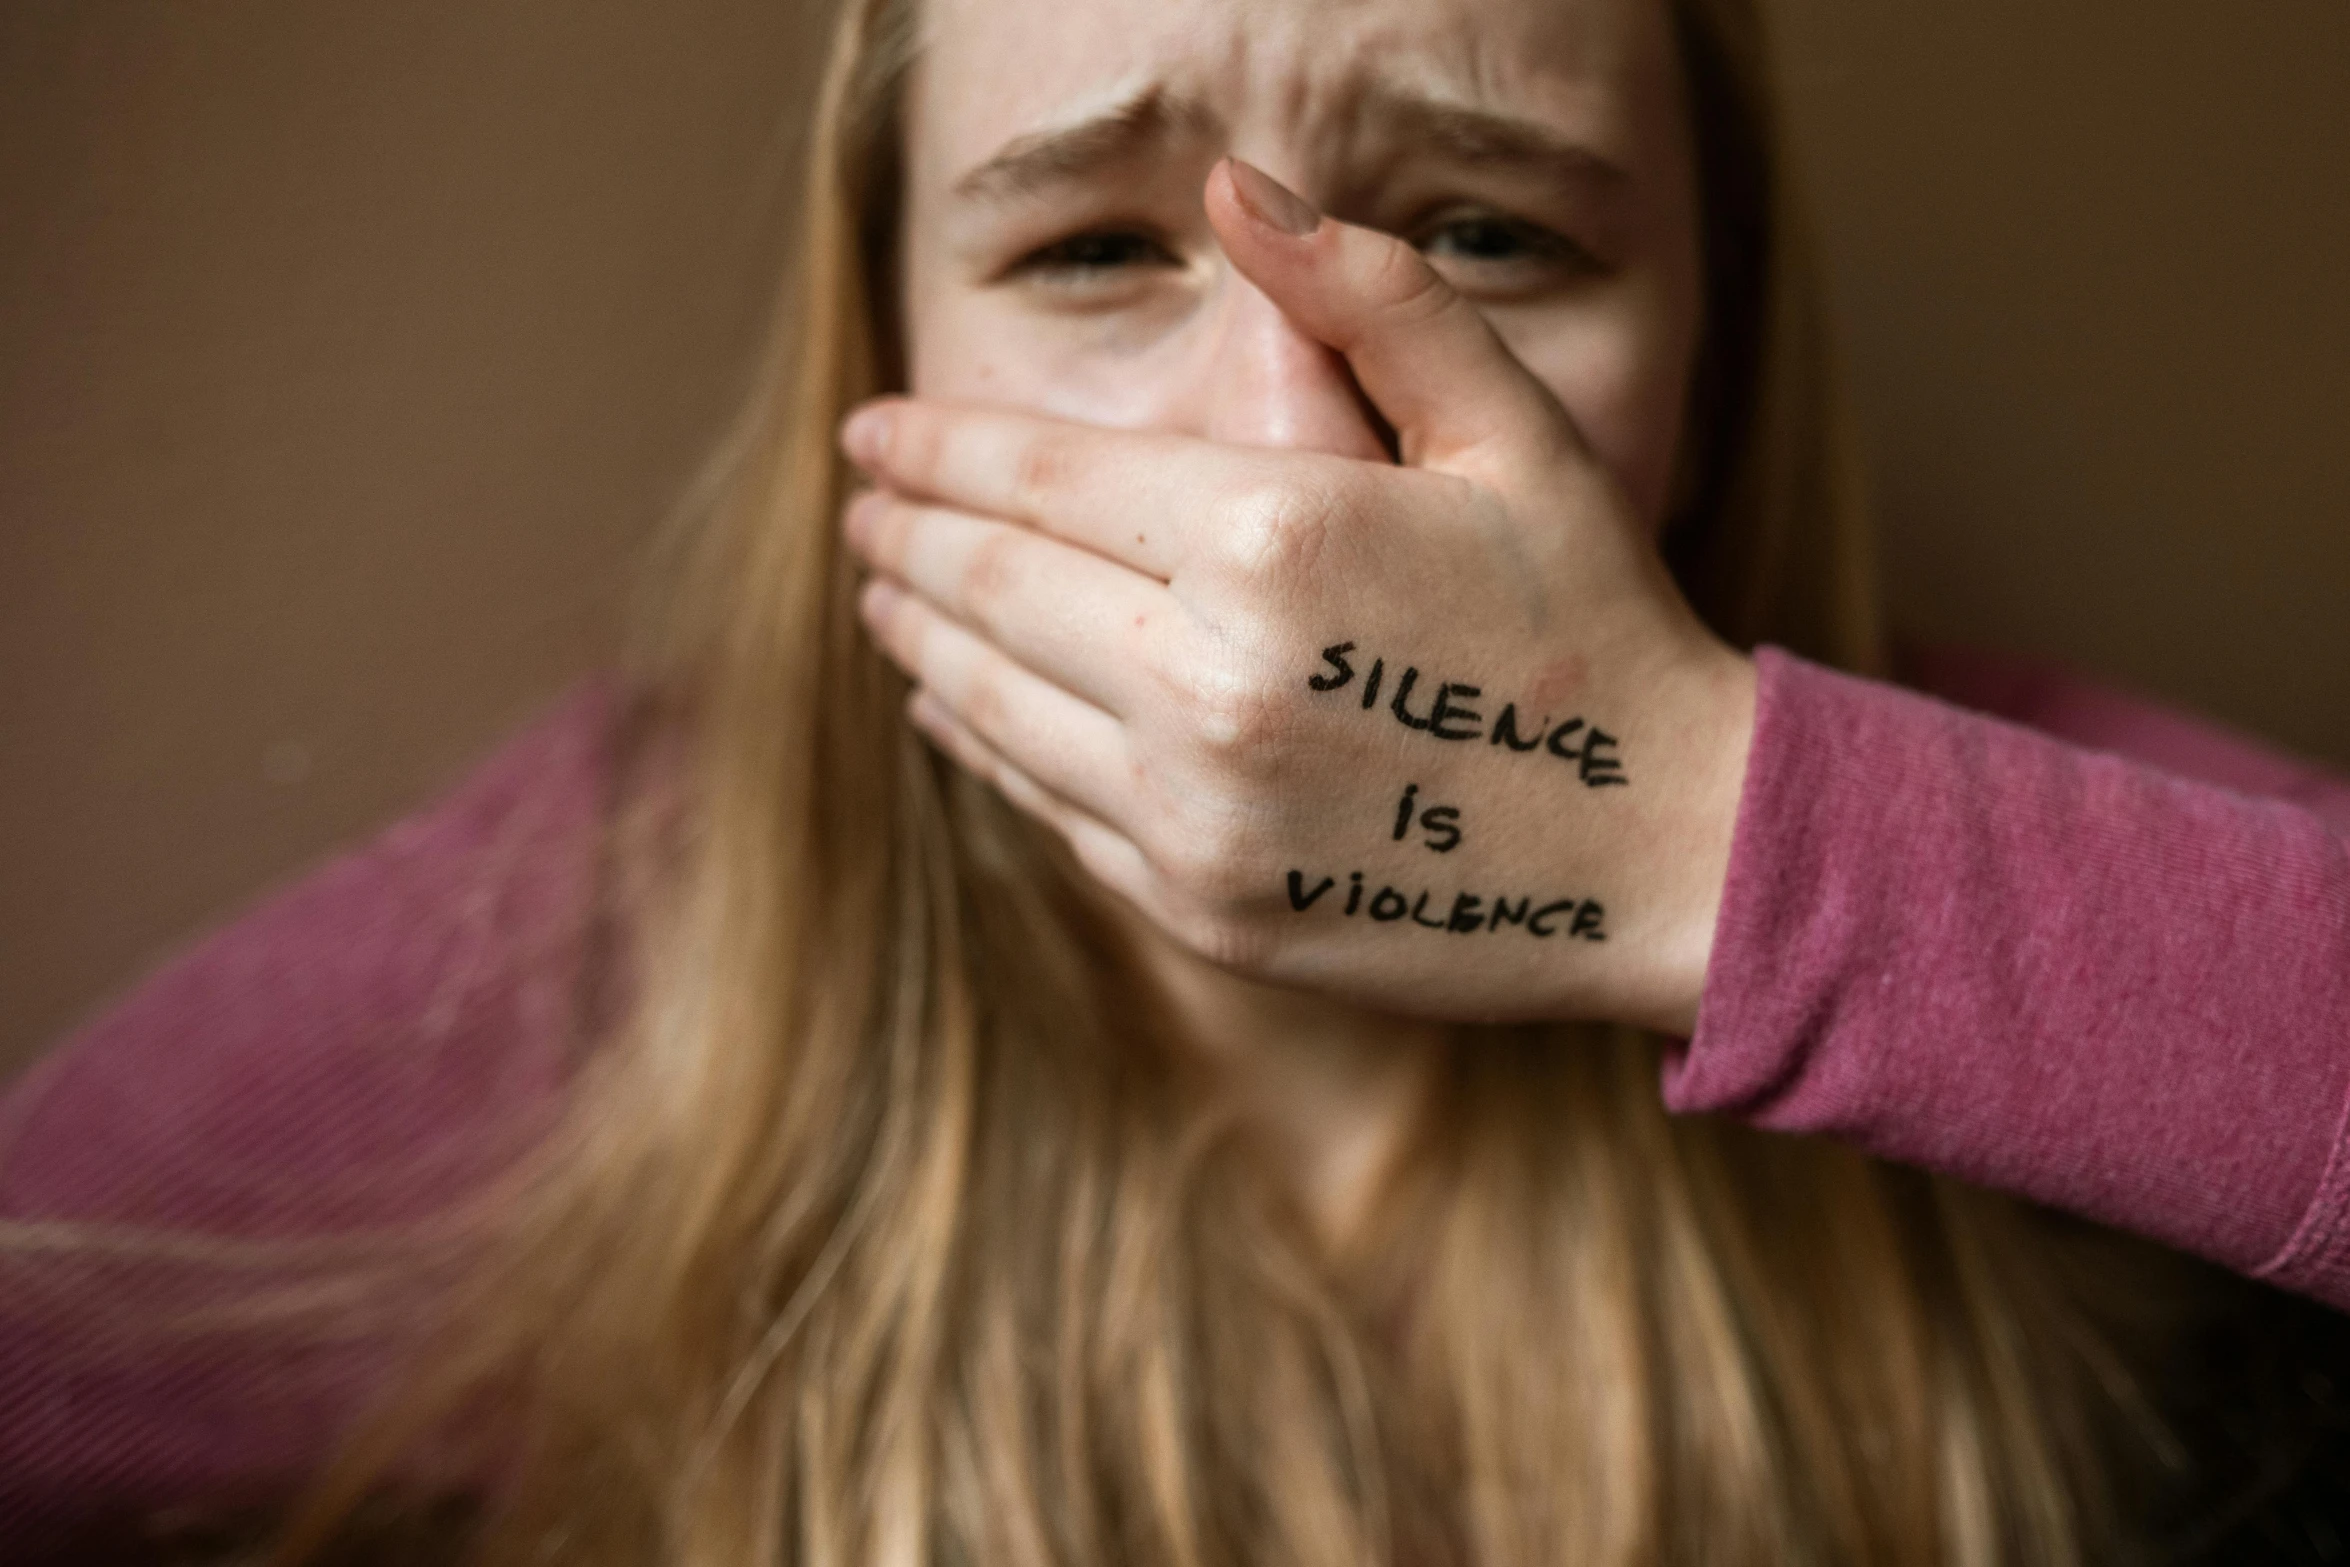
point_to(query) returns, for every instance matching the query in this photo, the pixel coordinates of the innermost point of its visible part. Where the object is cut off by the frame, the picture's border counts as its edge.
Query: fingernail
(1272, 203)
(866, 436)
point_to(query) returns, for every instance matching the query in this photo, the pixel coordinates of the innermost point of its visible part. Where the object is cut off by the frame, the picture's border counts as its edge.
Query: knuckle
(917, 447)
(988, 574)
(1238, 944)
(1212, 859)
(1404, 286)
(1039, 470)
(1276, 532)
(1235, 718)
(980, 705)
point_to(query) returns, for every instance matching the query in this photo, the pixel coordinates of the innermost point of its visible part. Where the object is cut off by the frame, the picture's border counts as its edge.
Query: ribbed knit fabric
(1947, 938)
(350, 1056)
(1959, 943)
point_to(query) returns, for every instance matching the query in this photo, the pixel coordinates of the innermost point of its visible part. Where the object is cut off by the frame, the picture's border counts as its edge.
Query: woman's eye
(1085, 257)
(1498, 247)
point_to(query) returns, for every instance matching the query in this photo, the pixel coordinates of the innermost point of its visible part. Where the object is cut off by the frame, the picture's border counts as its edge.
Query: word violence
(1577, 919)
(1449, 717)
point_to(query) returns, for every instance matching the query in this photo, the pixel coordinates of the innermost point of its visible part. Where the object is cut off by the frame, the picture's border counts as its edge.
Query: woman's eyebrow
(1027, 164)
(1153, 117)
(1480, 137)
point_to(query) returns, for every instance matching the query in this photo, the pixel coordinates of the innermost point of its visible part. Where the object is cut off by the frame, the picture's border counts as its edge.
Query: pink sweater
(2108, 970)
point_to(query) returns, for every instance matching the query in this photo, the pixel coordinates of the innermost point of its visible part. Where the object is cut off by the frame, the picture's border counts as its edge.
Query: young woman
(1211, 1114)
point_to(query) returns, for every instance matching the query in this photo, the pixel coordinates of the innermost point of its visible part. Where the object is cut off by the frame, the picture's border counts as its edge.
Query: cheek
(1621, 368)
(966, 346)
(1619, 363)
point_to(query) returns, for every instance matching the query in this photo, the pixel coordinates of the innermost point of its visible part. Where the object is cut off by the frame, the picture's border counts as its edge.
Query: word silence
(1591, 749)
(1576, 919)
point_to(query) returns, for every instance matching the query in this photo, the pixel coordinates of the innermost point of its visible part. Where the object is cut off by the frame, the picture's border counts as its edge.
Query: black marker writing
(1446, 713)
(1505, 731)
(1592, 762)
(1569, 919)
(1302, 900)
(1442, 823)
(1540, 922)
(1403, 695)
(1335, 657)
(1591, 750)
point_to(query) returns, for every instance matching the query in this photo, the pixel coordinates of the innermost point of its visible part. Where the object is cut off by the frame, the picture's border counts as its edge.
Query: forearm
(1964, 945)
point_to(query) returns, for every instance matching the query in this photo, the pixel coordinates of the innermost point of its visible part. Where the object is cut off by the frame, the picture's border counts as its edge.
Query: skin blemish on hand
(1555, 684)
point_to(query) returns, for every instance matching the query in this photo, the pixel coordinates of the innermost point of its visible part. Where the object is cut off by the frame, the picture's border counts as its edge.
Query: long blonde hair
(886, 1228)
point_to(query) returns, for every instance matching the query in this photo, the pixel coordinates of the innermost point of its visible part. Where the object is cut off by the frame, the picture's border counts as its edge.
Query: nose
(1262, 382)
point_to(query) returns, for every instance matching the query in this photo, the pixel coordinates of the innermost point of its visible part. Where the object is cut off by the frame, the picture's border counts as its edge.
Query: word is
(1440, 822)
(1577, 919)
(1590, 748)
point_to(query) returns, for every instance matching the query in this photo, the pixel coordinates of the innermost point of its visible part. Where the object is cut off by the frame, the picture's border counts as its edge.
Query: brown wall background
(347, 353)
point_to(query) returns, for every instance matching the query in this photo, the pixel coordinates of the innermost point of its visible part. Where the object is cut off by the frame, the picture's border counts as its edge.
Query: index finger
(1141, 499)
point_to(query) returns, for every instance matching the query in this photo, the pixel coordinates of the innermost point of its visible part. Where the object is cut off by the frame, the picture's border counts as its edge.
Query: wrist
(1715, 697)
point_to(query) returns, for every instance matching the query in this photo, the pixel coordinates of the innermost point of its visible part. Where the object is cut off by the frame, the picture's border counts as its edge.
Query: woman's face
(1057, 256)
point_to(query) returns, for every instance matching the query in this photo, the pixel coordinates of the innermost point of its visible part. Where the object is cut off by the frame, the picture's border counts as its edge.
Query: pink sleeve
(1964, 944)
(352, 1054)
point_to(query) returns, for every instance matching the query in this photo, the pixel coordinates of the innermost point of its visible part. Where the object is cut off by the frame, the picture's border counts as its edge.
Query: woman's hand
(1440, 738)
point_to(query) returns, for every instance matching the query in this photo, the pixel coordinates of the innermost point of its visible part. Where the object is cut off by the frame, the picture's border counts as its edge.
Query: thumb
(1457, 398)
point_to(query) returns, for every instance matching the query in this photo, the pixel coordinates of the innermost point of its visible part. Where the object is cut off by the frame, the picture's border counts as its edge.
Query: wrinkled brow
(1156, 117)
(1143, 123)
(1477, 137)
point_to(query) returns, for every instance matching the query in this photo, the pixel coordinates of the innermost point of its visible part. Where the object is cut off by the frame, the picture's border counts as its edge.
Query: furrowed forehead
(1030, 90)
